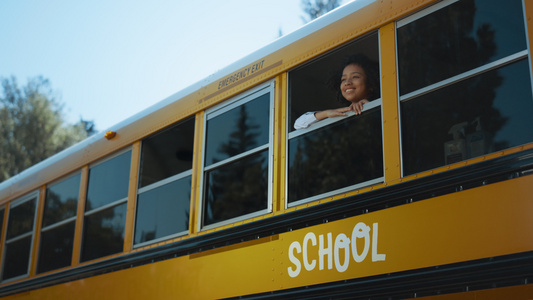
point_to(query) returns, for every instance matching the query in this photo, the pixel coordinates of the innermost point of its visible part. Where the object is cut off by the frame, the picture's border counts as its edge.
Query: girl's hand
(357, 107)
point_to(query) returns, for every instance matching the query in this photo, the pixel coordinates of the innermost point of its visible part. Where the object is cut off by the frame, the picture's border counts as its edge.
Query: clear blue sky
(109, 59)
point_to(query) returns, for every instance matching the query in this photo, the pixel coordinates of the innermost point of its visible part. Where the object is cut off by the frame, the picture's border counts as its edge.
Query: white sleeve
(305, 120)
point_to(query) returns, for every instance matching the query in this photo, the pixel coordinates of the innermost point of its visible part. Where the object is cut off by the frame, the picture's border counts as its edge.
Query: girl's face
(353, 83)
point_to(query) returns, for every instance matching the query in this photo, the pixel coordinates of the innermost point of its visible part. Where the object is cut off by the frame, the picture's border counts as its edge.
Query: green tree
(317, 8)
(32, 125)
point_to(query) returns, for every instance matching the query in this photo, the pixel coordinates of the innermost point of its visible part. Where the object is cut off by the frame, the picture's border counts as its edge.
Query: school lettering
(241, 74)
(330, 253)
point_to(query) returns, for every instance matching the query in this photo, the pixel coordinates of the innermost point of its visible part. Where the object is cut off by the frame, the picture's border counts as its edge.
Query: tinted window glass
(490, 112)
(108, 181)
(21, 219)
(56, 248)
(17, 256)
(237, 189)
(339, 155)
(167, 153)
(236, 131)
(61, 200)
(104, 232)
(163, 211)
(460, 37)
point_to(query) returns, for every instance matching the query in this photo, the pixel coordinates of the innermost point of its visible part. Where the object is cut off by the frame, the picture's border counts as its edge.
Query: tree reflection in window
(238, 187)
(490, 106)
(336, 156)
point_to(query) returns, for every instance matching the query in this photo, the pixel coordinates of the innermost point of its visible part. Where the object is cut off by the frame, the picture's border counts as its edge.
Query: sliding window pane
(237, 189)
(163, 211)
(487, 113)
(460, 37)
(167, 153)
(17, 258)
(342, 154)
(104, 233)
(21, 219)
(61, 200)
(108, 181)
(236, 131)
(56, 247)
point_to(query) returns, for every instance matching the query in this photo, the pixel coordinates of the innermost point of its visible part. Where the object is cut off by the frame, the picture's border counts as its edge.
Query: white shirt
(305, 120)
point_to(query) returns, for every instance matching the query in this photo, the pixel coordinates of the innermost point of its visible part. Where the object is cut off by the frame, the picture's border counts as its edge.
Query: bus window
(59, 221)
(19, 237)
(164, 195)
(339, 153)
(105, 208)
(312, 86)
(465, 85)
(237, 159)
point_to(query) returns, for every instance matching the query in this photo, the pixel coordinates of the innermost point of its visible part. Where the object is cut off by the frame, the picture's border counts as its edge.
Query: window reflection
(19, 237)
(163, 211)
(236, 131)
(105, 216)
(236, 169)
(104, 233)
(237, 189)
(56, 242)
(56, 247)
(460, 37)
(61, 200)
(17, 257)
(163, 200)
(342, 154)
(491, 112)
(108, 181)
(21, 219)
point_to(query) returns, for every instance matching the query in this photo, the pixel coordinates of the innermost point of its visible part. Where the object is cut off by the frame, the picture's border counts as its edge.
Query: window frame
(60, 223)
(494, 65)
(157, 184)
(328, 121)
(97, 210)
(19, 201)
(234, 102)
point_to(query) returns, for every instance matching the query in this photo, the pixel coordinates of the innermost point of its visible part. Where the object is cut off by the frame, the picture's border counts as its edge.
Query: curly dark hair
(371, 69)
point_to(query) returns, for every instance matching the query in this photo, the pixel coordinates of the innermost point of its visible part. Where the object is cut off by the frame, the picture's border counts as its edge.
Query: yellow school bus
(213, 194)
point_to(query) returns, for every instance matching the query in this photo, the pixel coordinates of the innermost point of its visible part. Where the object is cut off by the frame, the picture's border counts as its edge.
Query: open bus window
(105, 209)
(237, 159)
(163, 201)
(465, 85)
(312, 86)
(19, 237)
(59, 221)
(335, 154)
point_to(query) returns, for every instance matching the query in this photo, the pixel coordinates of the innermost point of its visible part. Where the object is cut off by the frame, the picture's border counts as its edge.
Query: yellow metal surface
(483, 222)
(389, 87)
(78, 231)
(194, 227)
(279, 145)
(132, 196)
